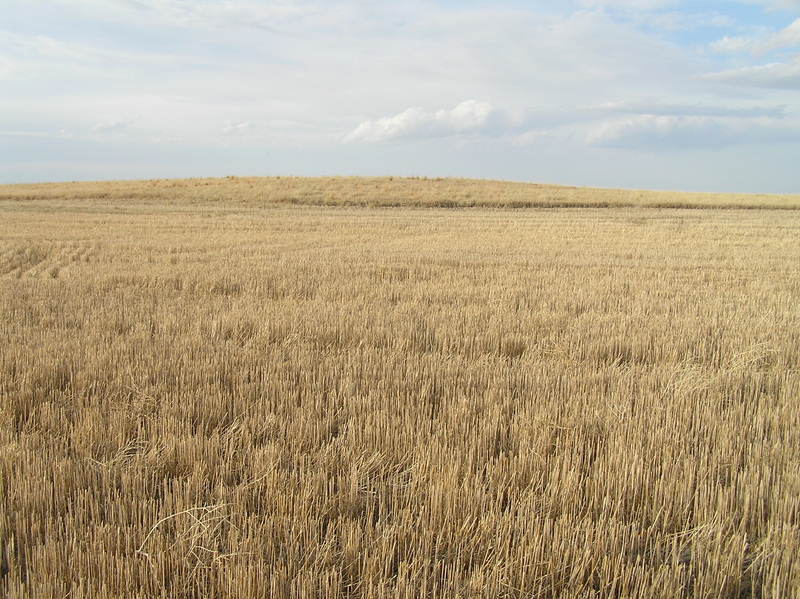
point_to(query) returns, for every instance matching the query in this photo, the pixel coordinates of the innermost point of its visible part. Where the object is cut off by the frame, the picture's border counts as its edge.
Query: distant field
(385, 192)
(343, 387)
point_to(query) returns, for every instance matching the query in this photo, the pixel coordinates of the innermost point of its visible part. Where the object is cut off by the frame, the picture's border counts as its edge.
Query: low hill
(386, 192)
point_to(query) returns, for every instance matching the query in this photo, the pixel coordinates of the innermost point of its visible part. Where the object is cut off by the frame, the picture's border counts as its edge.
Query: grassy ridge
(386, 192)
(227, 399)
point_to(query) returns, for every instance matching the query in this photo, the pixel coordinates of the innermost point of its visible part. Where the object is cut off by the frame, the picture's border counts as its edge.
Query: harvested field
(397, 388)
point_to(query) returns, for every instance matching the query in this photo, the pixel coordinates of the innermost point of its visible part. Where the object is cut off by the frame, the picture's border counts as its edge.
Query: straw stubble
(256, 399)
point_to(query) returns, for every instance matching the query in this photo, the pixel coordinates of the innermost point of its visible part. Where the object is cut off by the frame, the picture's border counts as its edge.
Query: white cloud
(471, 116)
(776, 75)
(238, 127)
(530, 138)
(682, 21)
(779, 74)
(301, 76)
(330, 67)
(789, 37)
(658, 132)
(114, 125)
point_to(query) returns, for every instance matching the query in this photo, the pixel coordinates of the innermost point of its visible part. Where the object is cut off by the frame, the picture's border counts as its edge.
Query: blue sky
(658, 94)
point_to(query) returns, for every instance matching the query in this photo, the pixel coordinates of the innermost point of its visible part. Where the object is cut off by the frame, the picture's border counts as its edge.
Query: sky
(634, 94)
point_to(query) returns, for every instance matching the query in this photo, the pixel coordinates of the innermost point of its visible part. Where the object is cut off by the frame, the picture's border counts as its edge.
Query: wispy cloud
(672, 127)
(776, 75)
(631, 5)
(758, 45)
(666, 109)
(682, 21)
(25, 134)
(202, 14)
(782, 72)
(689, 132)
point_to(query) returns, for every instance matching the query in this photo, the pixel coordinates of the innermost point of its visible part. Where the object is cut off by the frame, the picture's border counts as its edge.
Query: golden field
(397, 388)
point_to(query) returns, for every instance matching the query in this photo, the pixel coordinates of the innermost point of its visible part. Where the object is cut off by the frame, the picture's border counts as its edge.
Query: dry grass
(214, 393)
(382, 192)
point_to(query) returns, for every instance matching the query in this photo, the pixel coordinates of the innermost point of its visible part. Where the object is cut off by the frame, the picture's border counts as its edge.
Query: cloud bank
(571, 92)
(666, 133)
